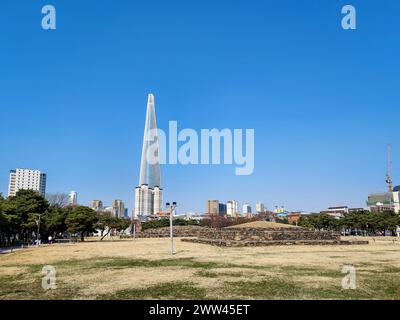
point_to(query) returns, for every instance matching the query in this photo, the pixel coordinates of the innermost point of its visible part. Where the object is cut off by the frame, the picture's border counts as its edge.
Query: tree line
(29, 214)
(361, 222)
(153, 224)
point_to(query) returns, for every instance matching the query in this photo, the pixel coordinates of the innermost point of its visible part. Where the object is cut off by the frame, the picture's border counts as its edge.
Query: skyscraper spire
(150, 171)
(148, 195)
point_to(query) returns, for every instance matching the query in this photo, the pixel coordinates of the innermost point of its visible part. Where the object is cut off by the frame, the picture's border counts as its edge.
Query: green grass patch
(119, 263)
(168, 290)
(382, 285)
(29, 287)
(207, 274)
(272, 288)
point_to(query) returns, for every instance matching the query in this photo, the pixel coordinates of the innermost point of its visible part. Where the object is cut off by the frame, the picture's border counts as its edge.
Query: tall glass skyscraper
(148, 194)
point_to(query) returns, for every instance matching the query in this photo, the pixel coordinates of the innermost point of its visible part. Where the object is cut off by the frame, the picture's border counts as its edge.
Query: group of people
(38, 242)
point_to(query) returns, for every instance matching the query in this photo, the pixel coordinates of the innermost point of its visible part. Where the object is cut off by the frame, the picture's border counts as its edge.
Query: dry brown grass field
(143, 269)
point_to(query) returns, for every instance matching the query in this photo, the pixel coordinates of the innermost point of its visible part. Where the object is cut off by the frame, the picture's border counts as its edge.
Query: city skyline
(323, 101)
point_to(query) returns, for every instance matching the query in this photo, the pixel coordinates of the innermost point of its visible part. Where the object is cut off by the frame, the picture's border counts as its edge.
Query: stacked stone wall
(231, 237)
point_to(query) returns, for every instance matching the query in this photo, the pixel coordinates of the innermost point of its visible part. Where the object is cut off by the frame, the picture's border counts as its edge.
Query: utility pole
(171, 210)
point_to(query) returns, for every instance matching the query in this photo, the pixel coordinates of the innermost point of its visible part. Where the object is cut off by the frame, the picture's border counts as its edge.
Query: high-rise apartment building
(232, 208)
(260, 208)
(149, 194)
(222, 209)
(246, 209)
(73, 198)
(384, 201)
(26, 179)
(157, 199)
(97, 205)
(212, 207)
(118, 208)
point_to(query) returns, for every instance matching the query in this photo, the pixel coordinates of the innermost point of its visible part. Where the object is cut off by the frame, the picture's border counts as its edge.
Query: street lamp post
(133, 228)
(171, 210)
(38, 230)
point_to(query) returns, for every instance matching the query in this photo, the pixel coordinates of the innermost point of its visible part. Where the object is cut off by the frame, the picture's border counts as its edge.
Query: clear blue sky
(324, 102)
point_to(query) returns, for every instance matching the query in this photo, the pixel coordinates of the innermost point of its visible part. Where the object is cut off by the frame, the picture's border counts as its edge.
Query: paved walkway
(13, 249)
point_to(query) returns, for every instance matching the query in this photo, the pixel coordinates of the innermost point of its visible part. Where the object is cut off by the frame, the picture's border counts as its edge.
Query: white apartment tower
(26, 179)
(73, 198)
(260, 207)
(232, 208)
(157, 199)
(149, 194)
(246, 209)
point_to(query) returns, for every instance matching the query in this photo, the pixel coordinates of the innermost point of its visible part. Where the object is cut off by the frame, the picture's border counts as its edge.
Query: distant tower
(97, 205)
(212, 207)
(260, 207)
(232, 208)
(222, 209)
(73, 198)
(148, 194)
(118, 208)
(389, 171)
(246, 209)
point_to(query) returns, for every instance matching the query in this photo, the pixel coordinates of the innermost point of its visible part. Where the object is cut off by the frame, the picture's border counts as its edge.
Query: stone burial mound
(263, 233)
(178, 231)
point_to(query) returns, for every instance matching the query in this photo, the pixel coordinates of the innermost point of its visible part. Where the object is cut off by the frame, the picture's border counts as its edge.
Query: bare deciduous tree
(58, 199)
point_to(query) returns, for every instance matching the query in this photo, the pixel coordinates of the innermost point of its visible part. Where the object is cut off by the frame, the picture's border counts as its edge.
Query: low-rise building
(384, 201)
(337, 211)
(340, 211)
(293, 217)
